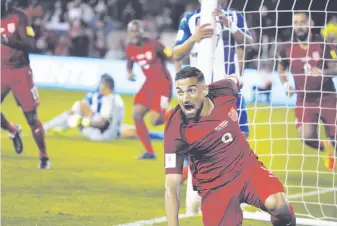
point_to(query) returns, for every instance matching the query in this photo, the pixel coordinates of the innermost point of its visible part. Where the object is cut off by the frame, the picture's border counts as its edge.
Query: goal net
(311, 187)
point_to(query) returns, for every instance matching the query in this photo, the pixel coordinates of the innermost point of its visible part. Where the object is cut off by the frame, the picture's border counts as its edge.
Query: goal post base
(261, 216)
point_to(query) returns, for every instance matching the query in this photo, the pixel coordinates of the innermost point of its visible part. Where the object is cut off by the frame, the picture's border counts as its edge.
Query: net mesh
(311, 187)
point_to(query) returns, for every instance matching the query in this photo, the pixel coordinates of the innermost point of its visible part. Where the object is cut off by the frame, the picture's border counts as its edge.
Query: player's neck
(207, 108)
(304, 43)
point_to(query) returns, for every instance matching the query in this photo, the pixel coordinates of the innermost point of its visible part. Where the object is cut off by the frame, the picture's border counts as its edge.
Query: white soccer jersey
(110, 107)
(225, 61)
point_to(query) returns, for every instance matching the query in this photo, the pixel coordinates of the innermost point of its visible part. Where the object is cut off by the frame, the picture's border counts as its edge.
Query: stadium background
(102, 183)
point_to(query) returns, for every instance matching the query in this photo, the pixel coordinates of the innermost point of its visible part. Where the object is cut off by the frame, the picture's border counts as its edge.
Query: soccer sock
(286, 220)
(315, 144)
(143, 135)
(7, 125)
(38, 134)
(59, 121)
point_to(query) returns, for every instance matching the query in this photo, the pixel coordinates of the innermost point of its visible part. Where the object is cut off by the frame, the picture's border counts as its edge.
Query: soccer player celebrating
(232, 35)
(155, 95)
(312, 63)
(225, 171)
(17, 39)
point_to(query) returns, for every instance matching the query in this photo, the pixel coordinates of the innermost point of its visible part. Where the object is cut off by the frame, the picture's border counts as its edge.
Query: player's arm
(237, 26)
(26, 40)
(174, 161)
(105, 117)
(185, 40)
(162, 51)
(172, 198)
(129, 66)
(229, 86)
(282, 68)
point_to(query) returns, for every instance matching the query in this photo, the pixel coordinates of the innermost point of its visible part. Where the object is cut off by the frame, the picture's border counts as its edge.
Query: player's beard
(197, 113)
(302, 37)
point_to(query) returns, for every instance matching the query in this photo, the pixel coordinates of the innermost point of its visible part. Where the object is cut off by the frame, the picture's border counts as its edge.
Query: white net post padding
(311, 188)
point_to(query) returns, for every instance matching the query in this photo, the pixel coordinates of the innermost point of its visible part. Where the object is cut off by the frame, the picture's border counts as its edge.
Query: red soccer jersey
(300, 61)
(216, 148)
(151, 56)
(15, 27)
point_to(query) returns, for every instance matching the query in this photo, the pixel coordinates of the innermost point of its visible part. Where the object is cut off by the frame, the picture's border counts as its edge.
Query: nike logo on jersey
(221, 126)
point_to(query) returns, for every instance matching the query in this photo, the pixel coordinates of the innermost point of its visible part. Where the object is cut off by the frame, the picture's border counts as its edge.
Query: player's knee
(157, 121)
(137, 116)
(277, 205)
(31, 118)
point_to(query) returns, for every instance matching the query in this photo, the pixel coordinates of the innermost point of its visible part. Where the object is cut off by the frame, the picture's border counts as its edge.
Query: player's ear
(311, 23)
(205, 91)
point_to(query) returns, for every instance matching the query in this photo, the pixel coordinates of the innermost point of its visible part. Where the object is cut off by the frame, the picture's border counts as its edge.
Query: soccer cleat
(17, 141)
(44, 163)
(147, 155)
(330, 162)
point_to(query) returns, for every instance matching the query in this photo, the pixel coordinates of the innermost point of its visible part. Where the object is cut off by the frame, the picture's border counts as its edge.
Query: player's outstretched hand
(202, 32)
(220, 17)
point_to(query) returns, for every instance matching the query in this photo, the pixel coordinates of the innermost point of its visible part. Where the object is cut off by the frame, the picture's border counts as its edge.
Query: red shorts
(221, 206)
(155, 96)
(313, 113)
(20, 82)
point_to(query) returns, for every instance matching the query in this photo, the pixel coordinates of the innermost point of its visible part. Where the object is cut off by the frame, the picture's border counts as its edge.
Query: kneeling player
(99, 116)
(225, 171)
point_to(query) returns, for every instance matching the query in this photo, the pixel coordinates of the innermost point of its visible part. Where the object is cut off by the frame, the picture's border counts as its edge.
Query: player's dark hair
(190, 72)
(108, 80)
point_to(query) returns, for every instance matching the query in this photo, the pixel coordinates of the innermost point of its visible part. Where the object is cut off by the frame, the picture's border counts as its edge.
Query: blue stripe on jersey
(88, 98)
(99, 103)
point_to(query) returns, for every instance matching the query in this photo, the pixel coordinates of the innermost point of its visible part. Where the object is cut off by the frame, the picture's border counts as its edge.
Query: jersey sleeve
(88, 98)
(174, 147)
(240, 21)
(224, 87)
(162, 51)
(184, 32)
(107, 109)
(26, 40)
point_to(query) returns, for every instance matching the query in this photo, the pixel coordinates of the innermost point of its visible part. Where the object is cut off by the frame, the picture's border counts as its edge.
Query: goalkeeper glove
(85, 122)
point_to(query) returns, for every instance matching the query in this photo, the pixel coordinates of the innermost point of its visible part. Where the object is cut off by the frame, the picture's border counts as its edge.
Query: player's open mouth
(189, 107)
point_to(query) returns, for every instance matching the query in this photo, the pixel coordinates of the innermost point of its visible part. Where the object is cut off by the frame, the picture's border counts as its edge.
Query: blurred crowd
(96, 28)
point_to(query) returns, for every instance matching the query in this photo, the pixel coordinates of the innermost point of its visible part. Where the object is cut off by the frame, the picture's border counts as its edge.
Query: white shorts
(95, 134)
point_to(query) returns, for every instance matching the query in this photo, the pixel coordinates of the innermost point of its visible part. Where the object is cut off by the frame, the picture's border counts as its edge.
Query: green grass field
(102, 183)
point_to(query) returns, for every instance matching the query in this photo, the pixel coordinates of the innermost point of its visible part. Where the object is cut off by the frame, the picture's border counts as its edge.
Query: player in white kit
(232, 35)
(99, 116)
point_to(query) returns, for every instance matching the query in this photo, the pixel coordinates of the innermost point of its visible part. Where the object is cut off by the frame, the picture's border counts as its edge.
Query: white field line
(247, 215)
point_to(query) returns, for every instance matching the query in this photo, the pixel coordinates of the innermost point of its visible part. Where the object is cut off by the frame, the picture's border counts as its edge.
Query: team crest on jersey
(315, 55)
(221, 126)
(233, 114)
(11, 27)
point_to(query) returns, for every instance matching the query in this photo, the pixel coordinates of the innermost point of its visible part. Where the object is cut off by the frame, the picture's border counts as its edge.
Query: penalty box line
(182, 216)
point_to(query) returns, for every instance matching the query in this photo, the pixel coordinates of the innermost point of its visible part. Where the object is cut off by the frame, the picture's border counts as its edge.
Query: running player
(312, 63)
(17, 39)
(155, 95)
(225, 171)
